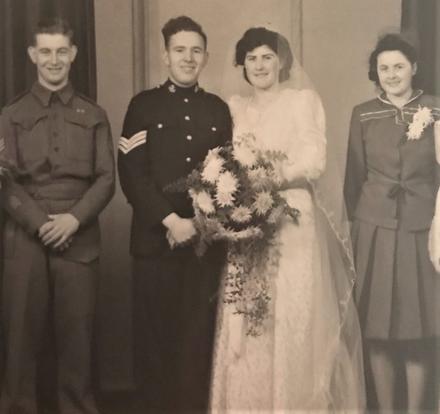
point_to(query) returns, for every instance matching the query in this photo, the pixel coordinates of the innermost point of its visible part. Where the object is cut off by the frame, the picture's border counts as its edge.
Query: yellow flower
(241, 214)
(263, 202)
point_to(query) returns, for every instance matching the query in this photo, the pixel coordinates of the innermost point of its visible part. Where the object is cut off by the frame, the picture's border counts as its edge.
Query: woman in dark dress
(390, 190)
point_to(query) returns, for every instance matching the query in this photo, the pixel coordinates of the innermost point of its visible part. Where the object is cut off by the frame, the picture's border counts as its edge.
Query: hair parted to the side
(52, 25)
(260, 36)
(392, 42)
(182, 24)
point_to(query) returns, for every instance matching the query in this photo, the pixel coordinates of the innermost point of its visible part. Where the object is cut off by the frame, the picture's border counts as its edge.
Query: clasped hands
(180, 231)
(57, 233)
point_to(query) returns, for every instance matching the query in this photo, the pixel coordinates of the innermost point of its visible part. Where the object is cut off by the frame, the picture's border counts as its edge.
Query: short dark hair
(391, 42)
(260, 36)
(182, 24)
(52, 25)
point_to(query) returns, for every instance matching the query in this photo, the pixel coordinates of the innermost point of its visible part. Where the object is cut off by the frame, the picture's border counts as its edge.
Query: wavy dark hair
(260, 36)
(182, 24)
(392, 42)
(52, 25)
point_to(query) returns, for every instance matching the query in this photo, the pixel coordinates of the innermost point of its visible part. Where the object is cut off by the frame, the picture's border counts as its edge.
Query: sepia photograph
(219, 207)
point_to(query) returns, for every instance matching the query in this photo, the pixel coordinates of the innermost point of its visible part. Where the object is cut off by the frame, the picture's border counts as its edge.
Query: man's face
(185, 57)
(53, 55)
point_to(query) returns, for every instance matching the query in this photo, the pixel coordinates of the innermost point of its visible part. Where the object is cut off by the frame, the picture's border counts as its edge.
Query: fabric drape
(421, 20)
(17, 19)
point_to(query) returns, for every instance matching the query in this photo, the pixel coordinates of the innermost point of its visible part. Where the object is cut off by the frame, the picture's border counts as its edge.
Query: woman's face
(262, 67)
(395, 73)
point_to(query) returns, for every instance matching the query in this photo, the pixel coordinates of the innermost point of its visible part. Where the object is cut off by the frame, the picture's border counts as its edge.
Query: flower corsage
(421, 119)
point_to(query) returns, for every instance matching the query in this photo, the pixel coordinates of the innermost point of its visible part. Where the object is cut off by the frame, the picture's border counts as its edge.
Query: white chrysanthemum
(421, 119)
(245, 155)
(227, 183)
(261, 177)
(263, 202)
(257, 175)
(204, 201)
(224, 199)
(212, 169)
(241, 214)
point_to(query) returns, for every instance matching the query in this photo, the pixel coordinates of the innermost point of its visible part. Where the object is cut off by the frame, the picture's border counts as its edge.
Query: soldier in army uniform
(60, 146)
(167, 131)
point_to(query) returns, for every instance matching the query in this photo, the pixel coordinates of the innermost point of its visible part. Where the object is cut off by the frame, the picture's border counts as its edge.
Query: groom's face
(185, 57)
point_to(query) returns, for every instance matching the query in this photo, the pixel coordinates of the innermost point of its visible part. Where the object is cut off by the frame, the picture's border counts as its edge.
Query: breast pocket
(80, 136)
(31, 135)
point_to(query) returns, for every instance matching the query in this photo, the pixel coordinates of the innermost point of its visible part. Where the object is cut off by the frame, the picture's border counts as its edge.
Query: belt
(400, 187)
(58, 190)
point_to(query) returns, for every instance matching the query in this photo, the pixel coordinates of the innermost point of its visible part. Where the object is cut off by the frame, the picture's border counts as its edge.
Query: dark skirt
(397, 289)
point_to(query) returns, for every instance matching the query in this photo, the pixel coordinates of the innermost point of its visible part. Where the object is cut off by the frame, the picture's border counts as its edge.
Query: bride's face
(262, 67)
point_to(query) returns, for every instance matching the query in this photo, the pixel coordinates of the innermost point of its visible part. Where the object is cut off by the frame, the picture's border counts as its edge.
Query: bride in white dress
(309, 354)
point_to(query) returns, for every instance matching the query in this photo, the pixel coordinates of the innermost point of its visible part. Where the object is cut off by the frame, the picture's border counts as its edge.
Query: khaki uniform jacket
(60, 147)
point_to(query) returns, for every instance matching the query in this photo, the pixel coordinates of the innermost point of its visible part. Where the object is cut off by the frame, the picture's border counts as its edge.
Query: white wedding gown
(301, 362)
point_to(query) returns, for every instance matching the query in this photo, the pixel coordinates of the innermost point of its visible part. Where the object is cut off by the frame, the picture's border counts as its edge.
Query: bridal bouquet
(235, 195)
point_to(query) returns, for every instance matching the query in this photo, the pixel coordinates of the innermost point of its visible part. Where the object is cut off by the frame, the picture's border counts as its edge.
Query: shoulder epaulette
(86, 98)
(17, 98)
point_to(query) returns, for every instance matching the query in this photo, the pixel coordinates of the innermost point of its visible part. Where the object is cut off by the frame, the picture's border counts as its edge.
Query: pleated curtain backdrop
(421, 20)
(17, 19)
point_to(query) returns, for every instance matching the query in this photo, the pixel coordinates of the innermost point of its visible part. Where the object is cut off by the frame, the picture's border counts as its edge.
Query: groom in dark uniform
(167, 132)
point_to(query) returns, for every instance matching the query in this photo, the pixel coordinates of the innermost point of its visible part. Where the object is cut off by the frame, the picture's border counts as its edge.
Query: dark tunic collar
(44, 95)
(416, 94)
(172, 88)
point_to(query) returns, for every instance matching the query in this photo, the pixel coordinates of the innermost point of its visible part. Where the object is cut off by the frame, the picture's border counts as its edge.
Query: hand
(59, 229)
(64, 246)
(180, 230)
(434, 243)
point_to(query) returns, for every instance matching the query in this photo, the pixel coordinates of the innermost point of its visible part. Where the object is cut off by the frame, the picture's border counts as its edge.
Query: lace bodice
(293, 123)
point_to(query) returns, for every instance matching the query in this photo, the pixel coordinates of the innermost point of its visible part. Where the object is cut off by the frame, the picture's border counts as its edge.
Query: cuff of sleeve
(159, 214)
(34, 220)
(79, 211)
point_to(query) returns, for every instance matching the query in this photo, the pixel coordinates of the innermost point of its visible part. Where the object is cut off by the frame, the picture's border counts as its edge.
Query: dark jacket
(391, 181)
(167, 132)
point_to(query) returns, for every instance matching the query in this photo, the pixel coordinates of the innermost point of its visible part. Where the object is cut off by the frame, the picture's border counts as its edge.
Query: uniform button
(56, 149)
(189, 137)
(160, 126)
(213, 128)
(187, 118)
(186, 100)
(188, 159)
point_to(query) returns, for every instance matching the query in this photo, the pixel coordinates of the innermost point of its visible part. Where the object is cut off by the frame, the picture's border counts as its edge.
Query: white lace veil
(342, 352)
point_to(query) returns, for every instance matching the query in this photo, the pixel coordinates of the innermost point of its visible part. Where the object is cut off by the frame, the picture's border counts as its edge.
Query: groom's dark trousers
(167, 132)
(175, 310)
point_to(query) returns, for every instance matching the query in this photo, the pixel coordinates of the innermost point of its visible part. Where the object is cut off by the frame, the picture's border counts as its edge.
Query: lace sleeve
(307, 149)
